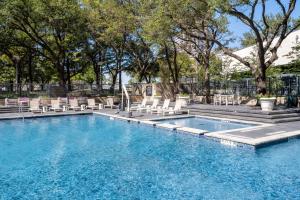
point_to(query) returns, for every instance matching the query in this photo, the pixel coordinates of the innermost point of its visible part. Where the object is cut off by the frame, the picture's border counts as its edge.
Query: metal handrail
(124, 90)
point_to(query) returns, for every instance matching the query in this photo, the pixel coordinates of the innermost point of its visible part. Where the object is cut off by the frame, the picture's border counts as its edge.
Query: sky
(238, 28)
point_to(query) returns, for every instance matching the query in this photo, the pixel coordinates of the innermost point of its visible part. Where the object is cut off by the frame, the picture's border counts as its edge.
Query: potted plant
(267, 103)
(157, 96)
(184, 97)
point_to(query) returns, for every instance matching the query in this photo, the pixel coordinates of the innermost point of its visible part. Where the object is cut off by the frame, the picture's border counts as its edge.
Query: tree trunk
(260, 78)
(261, 86)
(100, 78)
(30, 71)
(68, 75)
(96, 68)
(97, 73)
(114, 81)
(207, 83)
(120, 80)
(176, 88)
(61, 71)
(18, 78)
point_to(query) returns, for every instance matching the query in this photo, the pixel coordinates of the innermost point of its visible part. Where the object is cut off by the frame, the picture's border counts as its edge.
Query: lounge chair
(55, 106)
(139, 106)
(91, 104)
(110, 103)
(11, 102)
(148, 108)
(217, 99)
(177, 109)
(63, 101)
(23, 101)
(160, 109)
(34, 106)
(74, 105)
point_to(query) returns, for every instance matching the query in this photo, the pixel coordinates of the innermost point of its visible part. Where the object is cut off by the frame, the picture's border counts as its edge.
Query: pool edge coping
(226, 139)
(229, 140)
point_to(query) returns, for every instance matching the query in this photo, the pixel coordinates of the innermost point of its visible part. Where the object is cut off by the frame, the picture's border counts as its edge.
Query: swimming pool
(92, 157)
(209, 125)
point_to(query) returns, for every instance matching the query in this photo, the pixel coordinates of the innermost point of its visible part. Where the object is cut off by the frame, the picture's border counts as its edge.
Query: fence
(281, 86)
(12, 90)
(284, 86)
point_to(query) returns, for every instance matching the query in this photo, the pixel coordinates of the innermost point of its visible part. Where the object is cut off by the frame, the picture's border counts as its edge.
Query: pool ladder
(21, 114)
(124, 91)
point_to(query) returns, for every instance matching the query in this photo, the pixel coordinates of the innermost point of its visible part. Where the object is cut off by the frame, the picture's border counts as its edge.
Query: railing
(284, 86)
(124, 90)
(281, 86)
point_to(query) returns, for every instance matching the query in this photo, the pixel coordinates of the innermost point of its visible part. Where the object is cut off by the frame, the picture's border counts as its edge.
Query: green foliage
(215, 69)
(248, 39)
(7, 74)
(87, 76)
(240, 75)
(46, 41)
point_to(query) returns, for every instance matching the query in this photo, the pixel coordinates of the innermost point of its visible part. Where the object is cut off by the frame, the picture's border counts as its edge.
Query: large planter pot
(157, 97)
(184, 99)
(267, 104)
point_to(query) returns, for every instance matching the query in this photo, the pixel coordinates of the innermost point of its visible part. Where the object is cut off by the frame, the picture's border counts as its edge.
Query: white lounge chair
(142, 105)
(177, 109)
(110, 103)
(148, 108)
(74, 105)
(63, 101)
(160, 109)
(23, 101)
(91, 104)
(34, 106)
(217, 99)
(55, 106)
(11, 102)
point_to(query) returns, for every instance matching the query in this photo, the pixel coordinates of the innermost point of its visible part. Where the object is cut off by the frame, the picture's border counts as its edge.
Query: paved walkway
(241, 108)
(261, 134)
(47, 114)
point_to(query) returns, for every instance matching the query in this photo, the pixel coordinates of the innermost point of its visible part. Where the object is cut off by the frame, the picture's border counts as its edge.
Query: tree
(111, 24)
(199, 27)
(248, 39)
(269, 31)
(50, 25)
(143, 65)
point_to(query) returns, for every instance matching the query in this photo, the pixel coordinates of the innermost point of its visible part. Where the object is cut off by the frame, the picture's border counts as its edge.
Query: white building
(231, 65)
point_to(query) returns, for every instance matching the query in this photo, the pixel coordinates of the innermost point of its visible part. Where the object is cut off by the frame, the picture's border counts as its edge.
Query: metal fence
(11, 90)
(281, 86)
(32, 90)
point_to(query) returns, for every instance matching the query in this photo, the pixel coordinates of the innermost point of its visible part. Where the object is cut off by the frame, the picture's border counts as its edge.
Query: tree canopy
(64, 41)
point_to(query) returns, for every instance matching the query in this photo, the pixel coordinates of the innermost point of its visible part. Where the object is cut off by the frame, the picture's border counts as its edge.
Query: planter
(267, 104)
(157, 97)
(184, 99)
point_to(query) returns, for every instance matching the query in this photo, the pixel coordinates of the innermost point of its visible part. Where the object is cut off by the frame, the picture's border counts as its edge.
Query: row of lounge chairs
(164, 109)
(63, 104)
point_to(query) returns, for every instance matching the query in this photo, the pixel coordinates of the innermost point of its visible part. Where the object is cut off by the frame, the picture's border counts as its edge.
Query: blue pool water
(210, 125)
(91, 157)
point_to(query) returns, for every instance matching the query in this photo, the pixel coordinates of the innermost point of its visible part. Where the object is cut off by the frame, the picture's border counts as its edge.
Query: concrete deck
(256, 136)
(260, 135)
(242, 108)
(47, 114)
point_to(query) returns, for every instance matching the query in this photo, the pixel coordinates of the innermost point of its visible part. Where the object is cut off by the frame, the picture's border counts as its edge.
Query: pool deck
(261, 135)
(27, 115)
